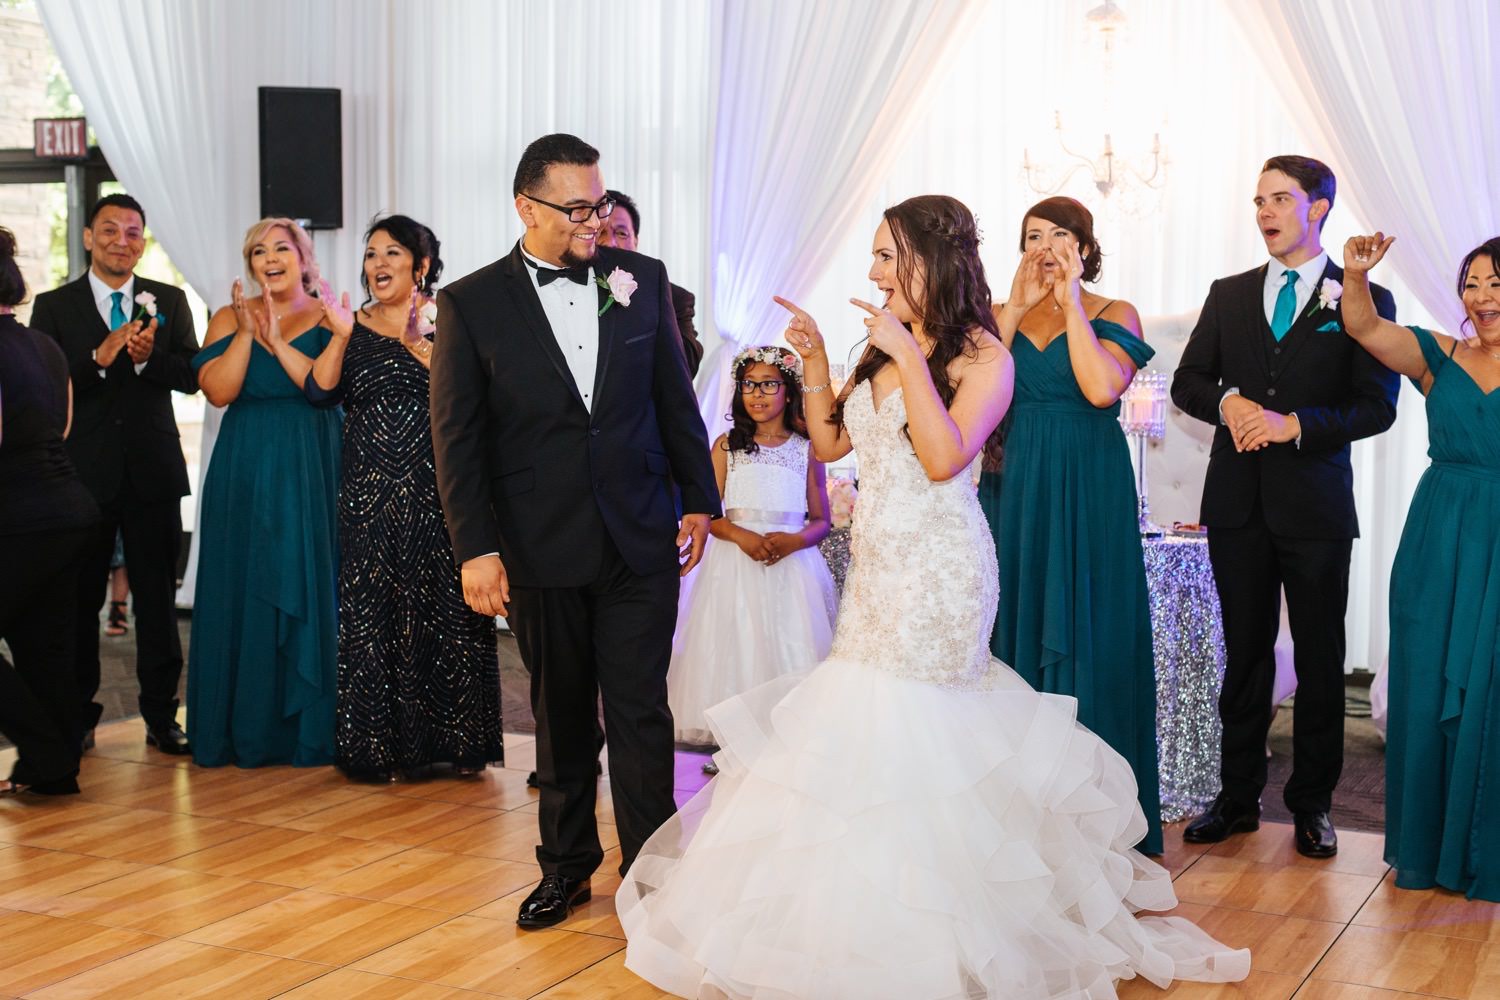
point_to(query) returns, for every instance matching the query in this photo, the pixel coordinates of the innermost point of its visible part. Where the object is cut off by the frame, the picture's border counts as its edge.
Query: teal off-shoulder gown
(263, 658)
(1442, 770)
(1074, 616)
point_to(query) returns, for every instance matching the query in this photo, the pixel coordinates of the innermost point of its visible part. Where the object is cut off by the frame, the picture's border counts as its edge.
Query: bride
(910, 820)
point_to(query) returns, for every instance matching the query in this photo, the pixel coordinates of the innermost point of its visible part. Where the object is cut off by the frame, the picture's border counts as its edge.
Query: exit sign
(61, 138)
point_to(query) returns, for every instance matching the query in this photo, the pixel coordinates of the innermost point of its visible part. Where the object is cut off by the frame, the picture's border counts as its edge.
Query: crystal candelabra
(1143, 416)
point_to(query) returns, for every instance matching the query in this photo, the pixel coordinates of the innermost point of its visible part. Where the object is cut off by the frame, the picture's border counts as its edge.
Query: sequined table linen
(1188, 639)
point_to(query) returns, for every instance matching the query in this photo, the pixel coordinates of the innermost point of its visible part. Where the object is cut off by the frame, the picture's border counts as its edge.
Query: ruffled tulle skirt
(741, 624)
(871, 836)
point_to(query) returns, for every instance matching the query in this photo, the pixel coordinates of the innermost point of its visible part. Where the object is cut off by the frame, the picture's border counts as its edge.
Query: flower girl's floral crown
(789, 363)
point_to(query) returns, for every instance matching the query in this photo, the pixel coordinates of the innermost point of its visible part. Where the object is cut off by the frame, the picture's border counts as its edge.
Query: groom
(1268, 363)
(561, 413)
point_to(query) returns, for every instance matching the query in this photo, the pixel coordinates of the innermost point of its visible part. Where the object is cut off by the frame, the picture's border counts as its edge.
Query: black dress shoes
(1316, 837)
(1222, 819)
(169, 739)
(531, 781)
(549, 902)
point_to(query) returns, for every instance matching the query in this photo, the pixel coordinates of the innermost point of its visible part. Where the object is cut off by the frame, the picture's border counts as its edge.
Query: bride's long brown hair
(937, 234)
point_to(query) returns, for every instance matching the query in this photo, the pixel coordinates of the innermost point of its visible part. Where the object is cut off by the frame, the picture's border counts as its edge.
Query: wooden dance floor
(163, 880)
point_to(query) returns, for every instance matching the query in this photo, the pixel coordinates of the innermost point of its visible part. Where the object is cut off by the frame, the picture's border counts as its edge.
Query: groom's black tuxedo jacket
(1338, 391)
(124, 430)
(525, 468)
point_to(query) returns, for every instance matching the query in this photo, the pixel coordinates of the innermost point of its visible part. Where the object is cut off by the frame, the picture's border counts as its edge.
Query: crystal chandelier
(1128, 181)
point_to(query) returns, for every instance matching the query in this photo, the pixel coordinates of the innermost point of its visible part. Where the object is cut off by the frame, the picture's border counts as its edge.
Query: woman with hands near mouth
(1442, 819)
(418, 682)
(261, 668)
(1074, 612)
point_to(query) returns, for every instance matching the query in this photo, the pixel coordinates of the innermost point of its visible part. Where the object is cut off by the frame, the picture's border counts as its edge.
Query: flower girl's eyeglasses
(770, 387)
(580, 213)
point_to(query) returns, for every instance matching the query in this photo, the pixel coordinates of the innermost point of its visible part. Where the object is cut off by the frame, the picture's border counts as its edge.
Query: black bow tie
(547, 275)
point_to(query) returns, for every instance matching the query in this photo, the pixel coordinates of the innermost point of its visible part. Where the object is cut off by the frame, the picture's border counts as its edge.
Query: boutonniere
(620, 285)
(1329, 293)
(427, 318)
(147, 302)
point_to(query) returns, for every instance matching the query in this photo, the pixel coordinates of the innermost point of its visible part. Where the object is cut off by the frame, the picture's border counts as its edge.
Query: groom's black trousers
(610, 638)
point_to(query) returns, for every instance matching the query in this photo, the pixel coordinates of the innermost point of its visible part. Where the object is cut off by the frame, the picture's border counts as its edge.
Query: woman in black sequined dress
(418, 679)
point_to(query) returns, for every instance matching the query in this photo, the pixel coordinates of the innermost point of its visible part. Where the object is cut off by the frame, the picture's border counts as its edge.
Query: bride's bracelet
(815, 388)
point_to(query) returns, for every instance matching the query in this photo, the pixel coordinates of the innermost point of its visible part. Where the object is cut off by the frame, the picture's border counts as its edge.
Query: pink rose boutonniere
(621, 286)
(1329, 293)
(147, 302)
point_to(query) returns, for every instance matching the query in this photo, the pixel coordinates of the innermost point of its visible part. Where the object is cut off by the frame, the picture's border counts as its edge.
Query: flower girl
(762, 603)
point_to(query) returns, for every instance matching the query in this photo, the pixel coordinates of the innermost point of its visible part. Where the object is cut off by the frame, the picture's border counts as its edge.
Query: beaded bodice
(922, 586)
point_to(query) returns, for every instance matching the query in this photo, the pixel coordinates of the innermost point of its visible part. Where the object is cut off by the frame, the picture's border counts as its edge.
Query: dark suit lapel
(608, 324)
(82, 299)
(1311, 317)
(1260, 330)
(522, 292)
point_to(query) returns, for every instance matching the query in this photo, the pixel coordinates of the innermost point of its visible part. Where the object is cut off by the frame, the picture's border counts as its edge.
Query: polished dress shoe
(1222, 819)
(169, 739)
(1316, 837)
(549, 902)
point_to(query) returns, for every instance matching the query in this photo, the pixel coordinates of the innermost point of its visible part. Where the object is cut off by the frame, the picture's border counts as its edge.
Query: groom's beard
(571, 259)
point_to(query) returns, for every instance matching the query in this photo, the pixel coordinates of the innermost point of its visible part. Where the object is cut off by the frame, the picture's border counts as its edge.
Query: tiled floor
(164, 880)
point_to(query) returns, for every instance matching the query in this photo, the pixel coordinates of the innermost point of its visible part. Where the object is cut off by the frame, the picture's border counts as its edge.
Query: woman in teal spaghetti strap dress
(262, 667)
(1074, 615)
(1442, 773)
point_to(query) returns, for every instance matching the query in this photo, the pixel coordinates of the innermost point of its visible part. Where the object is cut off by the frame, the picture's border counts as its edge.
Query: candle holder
(1143, 417)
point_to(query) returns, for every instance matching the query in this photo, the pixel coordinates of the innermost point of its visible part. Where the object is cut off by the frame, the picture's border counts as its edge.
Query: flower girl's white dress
(909, 820)
(742, 623)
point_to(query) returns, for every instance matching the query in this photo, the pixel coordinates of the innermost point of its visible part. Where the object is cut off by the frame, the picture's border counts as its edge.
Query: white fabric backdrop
(775, 182)
(812, 104)
(1221, 125)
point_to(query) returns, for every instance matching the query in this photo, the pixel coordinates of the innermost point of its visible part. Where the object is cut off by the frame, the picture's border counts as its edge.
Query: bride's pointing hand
(887, 333)
(802, 330)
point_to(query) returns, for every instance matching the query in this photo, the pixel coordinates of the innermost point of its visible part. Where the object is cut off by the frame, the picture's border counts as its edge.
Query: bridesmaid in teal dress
(1074, 617)
(1442, 772)
(263, 657)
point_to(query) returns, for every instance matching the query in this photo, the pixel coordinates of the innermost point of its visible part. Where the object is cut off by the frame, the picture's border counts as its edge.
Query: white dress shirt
(1308, 276)
(573, 313)
(102, 301)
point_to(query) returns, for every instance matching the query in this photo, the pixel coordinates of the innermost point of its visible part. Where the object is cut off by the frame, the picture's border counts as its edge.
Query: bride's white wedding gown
(909, 820)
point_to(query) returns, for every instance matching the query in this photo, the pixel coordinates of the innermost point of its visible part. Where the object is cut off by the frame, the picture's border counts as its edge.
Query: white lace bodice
(769, 479)
(922, 587)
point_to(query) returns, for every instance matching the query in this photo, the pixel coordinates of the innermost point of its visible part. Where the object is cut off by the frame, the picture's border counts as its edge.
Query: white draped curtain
(997, 100)
(813, 102)
(762, 139)
(438, 101)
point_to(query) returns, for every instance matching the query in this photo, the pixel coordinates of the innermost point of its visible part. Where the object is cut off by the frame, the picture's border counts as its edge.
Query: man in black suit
(622, 230)
(1270, 365)
(561, 412)
(125, 363)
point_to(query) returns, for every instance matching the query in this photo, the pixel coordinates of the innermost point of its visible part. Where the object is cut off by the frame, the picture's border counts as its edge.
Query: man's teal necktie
(117, 310)
(1286, 307)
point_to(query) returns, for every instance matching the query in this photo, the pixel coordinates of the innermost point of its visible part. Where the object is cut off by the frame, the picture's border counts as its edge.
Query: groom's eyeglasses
(580, 213)
(770, 387)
